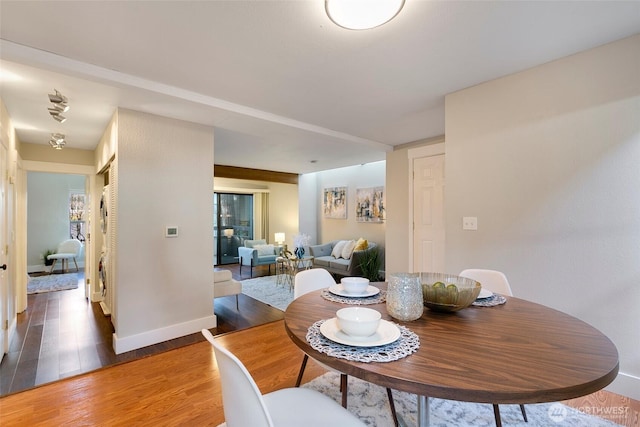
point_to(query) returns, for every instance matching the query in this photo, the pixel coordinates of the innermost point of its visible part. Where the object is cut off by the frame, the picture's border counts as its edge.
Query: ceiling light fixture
(57, 98)
(57, 141)
(60, 106)
(362, 14)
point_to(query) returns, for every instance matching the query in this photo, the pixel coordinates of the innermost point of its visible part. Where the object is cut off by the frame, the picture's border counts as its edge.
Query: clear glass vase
(404, 296)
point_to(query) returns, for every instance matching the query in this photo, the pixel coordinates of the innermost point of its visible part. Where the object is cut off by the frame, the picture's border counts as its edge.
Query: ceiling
(285, 89)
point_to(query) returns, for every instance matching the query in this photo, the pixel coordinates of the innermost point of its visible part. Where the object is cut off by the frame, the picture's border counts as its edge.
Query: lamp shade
(228, 232)
(279, 237)
(362, 14)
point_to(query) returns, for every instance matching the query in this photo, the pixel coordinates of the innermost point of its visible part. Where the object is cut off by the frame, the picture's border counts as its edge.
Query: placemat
(375, 299)
(407, 344)
(492, 301)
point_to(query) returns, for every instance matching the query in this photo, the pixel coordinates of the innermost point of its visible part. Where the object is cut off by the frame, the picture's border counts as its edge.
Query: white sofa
(224, 285)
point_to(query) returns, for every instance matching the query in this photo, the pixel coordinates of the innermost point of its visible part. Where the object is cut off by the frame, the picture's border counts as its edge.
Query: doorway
(233, 225)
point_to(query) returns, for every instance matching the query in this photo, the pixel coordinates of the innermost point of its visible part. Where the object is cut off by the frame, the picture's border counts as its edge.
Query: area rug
(51, 283)
(369, 402)
(266, 290)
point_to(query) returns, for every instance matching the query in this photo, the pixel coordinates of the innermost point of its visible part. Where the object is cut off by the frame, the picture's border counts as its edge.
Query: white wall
(548, 160)
(48, 213)
(353, 177)
(164, 178)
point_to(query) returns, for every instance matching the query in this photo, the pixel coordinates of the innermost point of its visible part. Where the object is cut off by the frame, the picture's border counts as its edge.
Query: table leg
(423, 411)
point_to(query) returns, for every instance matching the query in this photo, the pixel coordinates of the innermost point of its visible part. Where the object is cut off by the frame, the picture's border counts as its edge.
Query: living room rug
(52, 282)
(369, 402)
(266, 290)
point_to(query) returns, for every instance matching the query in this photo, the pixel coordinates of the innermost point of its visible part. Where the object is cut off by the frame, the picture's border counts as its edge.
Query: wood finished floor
(61, 334)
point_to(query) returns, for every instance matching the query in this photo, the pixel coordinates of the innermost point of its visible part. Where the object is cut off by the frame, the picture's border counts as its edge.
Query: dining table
(516, 352)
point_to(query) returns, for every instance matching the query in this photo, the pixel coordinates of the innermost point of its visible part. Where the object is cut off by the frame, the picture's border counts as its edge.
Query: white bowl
(354, 285)
(358, 321)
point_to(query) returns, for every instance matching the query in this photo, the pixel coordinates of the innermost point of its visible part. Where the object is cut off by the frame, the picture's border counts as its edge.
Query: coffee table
(518, 352)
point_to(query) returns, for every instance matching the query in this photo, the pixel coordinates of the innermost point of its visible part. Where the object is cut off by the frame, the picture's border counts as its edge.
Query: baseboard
(625, 385)
(134, 342)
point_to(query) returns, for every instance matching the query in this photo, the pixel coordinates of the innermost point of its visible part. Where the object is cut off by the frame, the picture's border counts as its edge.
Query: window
(76, 216)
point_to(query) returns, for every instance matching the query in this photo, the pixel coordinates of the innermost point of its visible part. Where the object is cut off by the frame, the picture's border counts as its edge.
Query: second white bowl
(354, 285)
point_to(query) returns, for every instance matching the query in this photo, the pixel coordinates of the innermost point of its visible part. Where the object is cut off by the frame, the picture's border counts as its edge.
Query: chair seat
(303, 407)
(61, 256)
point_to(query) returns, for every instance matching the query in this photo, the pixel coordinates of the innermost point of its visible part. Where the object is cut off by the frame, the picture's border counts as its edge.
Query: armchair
(257, 252)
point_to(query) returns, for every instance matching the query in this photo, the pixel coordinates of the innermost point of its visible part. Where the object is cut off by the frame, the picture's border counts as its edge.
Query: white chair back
(493, 280)
(242, 401)
(70, 246)
(311, 280)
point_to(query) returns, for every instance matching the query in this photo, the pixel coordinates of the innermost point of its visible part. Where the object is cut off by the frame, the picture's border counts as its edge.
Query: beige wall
(283, 203)
(164, 176)
(547, 159)
(44, 153)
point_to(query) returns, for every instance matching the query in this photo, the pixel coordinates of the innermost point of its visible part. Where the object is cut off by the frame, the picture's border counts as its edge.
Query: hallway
(62, 334)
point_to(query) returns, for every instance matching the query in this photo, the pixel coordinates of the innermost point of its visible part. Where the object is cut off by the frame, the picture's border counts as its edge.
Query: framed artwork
(334, 202)
(370, 205)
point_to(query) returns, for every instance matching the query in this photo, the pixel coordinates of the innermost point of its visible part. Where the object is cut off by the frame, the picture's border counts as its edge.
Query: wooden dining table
(516, 353)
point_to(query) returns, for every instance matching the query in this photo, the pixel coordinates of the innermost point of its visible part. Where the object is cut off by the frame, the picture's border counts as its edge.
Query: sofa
(257, 252)
(338, 259)
(224, 285)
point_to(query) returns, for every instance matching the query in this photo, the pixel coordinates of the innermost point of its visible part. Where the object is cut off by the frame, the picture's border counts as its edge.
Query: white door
(4, 276)
(428, 214)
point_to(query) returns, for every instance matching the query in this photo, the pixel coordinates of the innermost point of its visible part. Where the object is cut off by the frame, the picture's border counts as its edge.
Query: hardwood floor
(177, 387)
(61, 334)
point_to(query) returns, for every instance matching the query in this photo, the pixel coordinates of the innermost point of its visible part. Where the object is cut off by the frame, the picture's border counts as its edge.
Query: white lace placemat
(407, 344)
(493, 300)
(379, 298)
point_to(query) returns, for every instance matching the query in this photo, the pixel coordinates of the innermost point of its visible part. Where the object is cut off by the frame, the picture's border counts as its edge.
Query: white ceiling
(281, 84)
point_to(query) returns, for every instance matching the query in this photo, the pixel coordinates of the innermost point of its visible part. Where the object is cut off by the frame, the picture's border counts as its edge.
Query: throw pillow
(264, 250)
(348, 249)
(361, 244)
(337, 249)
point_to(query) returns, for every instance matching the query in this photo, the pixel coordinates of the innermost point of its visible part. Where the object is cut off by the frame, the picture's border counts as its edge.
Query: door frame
(90, 183)
(414, 153)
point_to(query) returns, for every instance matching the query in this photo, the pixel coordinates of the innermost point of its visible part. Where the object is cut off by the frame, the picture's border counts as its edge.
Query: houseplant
(48, 261)
(370, 264)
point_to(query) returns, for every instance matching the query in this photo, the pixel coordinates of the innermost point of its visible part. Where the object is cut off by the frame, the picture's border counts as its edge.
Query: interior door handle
(3, 266)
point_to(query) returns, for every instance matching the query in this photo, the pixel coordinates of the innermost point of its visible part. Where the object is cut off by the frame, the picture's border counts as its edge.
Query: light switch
(469, 223)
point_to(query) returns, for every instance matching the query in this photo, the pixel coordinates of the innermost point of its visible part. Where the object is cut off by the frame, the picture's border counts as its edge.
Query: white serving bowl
(354, 285)
(358, 321)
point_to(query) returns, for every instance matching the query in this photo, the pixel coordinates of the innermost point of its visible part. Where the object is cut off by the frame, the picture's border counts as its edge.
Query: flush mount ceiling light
(57, 141)
(60, 106)
(362, 14)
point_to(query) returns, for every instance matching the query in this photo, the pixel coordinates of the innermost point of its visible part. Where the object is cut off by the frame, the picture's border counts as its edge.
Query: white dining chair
(244, 405)
(311, 280)
(496, 282)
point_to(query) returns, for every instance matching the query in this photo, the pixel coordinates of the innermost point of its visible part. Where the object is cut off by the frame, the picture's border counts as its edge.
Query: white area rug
(53, 282)
(369, 402)
(265, 289)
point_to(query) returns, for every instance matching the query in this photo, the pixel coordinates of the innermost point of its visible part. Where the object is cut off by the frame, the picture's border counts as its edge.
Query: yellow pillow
(361, 244)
